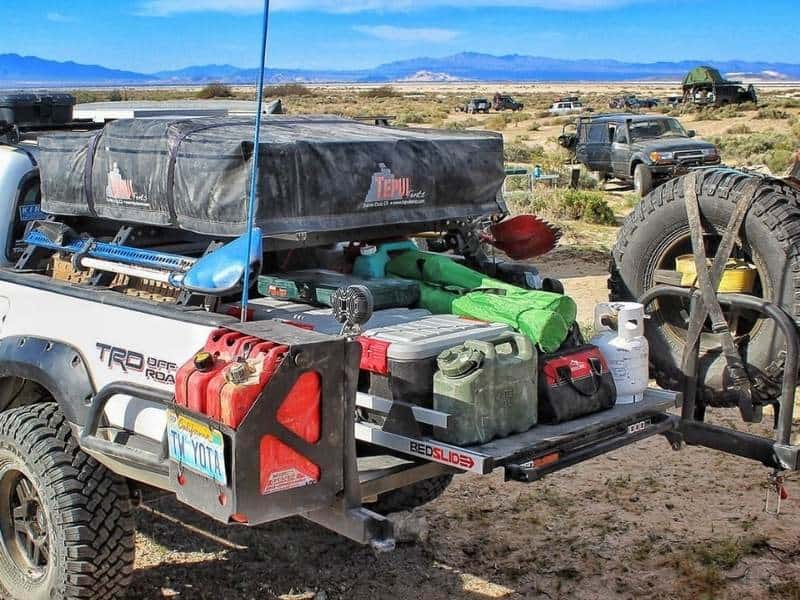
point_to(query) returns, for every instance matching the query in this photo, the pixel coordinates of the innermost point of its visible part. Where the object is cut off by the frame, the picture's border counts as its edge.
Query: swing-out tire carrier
(778, 453)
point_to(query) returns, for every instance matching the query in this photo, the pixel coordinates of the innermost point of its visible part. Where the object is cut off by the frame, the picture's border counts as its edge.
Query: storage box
(409, 353)
(317, 286)
(36, 110)
(322, 320)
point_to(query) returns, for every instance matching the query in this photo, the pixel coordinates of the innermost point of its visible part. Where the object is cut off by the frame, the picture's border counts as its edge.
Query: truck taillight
(374, 355)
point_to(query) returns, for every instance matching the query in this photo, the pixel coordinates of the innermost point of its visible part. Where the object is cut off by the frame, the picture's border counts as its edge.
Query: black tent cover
(319, 174)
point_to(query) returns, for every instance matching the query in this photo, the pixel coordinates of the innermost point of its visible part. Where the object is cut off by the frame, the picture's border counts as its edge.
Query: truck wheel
(65, 521)
(642, 180)
(658, 231)
(412, 496)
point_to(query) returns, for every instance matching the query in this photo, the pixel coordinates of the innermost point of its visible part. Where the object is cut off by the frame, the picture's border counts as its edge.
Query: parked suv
(645, 150)
(477, 105)
(632, 102)
(564, 107)
(502, 102)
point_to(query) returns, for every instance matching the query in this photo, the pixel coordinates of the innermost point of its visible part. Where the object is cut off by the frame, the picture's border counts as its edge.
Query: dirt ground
(643, 522)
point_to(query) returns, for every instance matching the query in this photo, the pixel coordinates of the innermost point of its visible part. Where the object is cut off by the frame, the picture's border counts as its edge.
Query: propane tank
(621, 340)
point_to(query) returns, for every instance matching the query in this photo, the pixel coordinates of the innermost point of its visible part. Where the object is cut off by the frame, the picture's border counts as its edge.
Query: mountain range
(31, 71)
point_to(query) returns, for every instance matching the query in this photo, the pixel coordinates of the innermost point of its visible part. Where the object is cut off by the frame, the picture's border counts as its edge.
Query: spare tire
(658, 231)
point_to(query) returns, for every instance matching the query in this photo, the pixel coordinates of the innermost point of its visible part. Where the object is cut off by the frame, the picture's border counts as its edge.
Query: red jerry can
(192, 379)
(234, 390)
(283, 468)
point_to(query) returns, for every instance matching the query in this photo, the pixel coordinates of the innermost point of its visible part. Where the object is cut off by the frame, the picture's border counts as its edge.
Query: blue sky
(152, 35)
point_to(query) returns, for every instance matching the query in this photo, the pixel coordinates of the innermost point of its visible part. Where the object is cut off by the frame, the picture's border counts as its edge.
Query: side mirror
(692, 133)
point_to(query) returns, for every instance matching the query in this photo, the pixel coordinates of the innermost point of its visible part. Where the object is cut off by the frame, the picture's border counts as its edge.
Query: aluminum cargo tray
(585, 437)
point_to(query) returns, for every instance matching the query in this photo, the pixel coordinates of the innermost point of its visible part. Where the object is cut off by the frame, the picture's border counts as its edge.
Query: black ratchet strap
(708, 282)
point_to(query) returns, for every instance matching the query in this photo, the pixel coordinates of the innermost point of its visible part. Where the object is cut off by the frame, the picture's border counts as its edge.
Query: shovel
(523, 237)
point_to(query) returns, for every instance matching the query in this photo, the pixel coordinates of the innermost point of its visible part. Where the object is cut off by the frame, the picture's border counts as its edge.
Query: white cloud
(170, 7)
(57, 17)
(408, 34)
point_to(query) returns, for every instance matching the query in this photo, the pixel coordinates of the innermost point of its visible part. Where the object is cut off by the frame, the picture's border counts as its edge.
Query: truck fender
(58, 367)
(636, 161)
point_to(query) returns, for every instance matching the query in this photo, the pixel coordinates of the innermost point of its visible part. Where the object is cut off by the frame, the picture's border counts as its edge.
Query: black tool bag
(574, 383)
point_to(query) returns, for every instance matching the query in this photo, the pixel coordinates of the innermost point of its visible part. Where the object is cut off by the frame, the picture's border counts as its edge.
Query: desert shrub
(384, 91)
(708, 113)
(772, 113)
(497, 122)
(517, 183)
(412, 117)
(288, 89)
(576, 205)
(534, 127)
(795, 127)
(215, 90)
(115, 96)
(522, 153)
(780, 160)
(455, 126)
(739, 129)
(769, 148)
(84, 96)
(586, 181)
(730, 111)
(590, 207)
(518, 117)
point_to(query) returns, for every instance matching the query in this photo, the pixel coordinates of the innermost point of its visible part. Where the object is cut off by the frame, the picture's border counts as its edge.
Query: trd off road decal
(387, 189)
(129, 361)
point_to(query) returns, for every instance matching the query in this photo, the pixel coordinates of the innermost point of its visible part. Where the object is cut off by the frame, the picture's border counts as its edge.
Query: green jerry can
(489, 389)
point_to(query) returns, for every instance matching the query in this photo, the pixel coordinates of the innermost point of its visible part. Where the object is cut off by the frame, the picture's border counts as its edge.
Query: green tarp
(451, 288)
(703, 76)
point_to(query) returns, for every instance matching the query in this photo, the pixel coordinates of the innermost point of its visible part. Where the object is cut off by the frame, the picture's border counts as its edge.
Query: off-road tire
(84, 510)
(771, 234)
(412, 496)
(642, 180)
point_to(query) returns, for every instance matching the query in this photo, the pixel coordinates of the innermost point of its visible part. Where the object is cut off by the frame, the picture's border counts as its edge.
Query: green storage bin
(488, 393)
(318, 286)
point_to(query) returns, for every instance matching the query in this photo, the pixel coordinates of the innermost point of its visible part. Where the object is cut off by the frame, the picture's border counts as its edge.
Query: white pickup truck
(89, 422)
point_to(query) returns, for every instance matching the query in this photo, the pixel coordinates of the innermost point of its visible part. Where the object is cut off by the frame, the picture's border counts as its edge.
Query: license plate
(197, 447)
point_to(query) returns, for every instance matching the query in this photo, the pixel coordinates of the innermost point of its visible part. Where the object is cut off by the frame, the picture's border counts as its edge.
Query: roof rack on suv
(11, 133)
(25, 115)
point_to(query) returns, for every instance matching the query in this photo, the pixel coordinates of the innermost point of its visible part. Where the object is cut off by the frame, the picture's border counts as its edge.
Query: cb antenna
(251, 204)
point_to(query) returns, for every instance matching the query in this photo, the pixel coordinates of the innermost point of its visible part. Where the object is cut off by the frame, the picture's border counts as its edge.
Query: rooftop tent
(703, 76)
(319, 174)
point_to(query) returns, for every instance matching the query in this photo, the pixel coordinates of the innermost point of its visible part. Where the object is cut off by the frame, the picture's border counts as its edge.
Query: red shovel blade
(525, 236)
